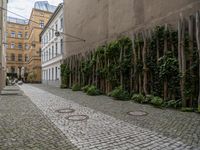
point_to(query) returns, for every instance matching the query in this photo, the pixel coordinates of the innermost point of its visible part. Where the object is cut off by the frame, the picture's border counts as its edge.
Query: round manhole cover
(65, 110)
(77, 117)
(137, 113)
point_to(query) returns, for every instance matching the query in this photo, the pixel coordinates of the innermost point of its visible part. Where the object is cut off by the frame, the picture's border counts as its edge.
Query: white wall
(51, 57)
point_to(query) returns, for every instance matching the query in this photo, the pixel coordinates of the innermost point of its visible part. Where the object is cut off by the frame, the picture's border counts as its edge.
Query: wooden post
(132, 62)
(70, 76)
(198, 46)
(120, 60)
(181, 57)
(191, 46)
(140, 76)
(79, 69)
(135, 66)
(157, 50)
(97, 67)
(165, 52)
(144, 63)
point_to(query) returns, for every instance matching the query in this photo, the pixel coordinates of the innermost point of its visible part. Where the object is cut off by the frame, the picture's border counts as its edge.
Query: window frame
(20, 46)
(12, 45)
(12, 34)
(19, 35)
(20, 56)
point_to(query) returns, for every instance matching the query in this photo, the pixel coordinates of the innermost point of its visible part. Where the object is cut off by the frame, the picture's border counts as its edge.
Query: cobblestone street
(171, 123)
(104, 129)
(100, 75)
(44, 117)
(24, 127)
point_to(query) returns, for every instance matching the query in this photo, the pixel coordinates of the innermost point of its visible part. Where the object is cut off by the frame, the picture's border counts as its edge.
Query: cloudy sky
(24, 7)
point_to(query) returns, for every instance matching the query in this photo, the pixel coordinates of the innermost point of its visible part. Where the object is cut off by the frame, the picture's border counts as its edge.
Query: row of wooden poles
(139, 81)
(192, 24)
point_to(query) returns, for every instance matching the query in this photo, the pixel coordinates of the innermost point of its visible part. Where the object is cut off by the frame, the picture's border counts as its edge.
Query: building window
(47, 58)
(19, 34)
(56, 49)
(12, 57)
(46, 72)
(52, 30)
(52, 49)
(49, 53)
(56, 26)
(56, 71)
(49, 35)
(61, 46)
(44, 39)
(52, 73)
(42, 75)
(43, 55)
(49, 74)
(12, 69)
(6, 45)
(12, 34)
(20, 46)
(26, 46)
(26, 58)
(26, 35)
(41, 24)
(12, 45)
(40, 52)
(20, 57)
(47, 38)
(61, 23)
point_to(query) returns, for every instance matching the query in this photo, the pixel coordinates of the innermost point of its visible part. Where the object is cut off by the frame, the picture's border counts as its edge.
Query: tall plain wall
(98, 21)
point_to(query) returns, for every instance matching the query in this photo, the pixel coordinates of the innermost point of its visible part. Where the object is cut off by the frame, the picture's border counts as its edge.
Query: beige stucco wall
(99, 20)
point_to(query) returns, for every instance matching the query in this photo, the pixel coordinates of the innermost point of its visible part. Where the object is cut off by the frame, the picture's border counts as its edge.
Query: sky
(24, 7)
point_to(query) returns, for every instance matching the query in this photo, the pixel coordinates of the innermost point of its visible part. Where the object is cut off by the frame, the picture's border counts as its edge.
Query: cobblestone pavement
(24, 127)
(100, 131)
(170, 123)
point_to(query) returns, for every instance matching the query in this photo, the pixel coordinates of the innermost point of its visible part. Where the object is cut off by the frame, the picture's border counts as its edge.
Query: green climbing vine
(65, 71)
(147, 64)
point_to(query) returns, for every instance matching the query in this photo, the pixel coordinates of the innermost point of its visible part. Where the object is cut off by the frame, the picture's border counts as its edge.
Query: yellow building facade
(16, 51)
(23, 46)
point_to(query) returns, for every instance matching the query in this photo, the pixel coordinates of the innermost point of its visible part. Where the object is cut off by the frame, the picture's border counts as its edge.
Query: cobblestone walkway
(170, 123)
(24, 127)
(100, 131)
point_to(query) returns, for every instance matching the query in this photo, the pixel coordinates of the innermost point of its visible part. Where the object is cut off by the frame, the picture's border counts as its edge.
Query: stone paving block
(167, 122)
(99, 127)
(24, 127)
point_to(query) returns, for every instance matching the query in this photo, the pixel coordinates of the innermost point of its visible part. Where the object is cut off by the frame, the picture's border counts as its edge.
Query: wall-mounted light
(57, 34)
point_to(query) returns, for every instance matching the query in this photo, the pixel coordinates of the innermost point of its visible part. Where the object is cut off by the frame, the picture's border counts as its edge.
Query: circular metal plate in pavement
(65, 110)
(77, 117)
(137, 113)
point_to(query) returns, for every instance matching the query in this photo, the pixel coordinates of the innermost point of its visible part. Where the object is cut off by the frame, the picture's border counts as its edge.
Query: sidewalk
(24, 127)
(105, 130)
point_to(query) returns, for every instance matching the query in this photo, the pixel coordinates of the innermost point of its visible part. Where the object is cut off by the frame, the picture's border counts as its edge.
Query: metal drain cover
(77, 117)
(65, 110)
(11, 94)
(137, 113)
(10, 90)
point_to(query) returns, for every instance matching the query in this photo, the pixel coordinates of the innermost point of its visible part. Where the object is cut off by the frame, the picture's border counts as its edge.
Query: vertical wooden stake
(198, 46)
